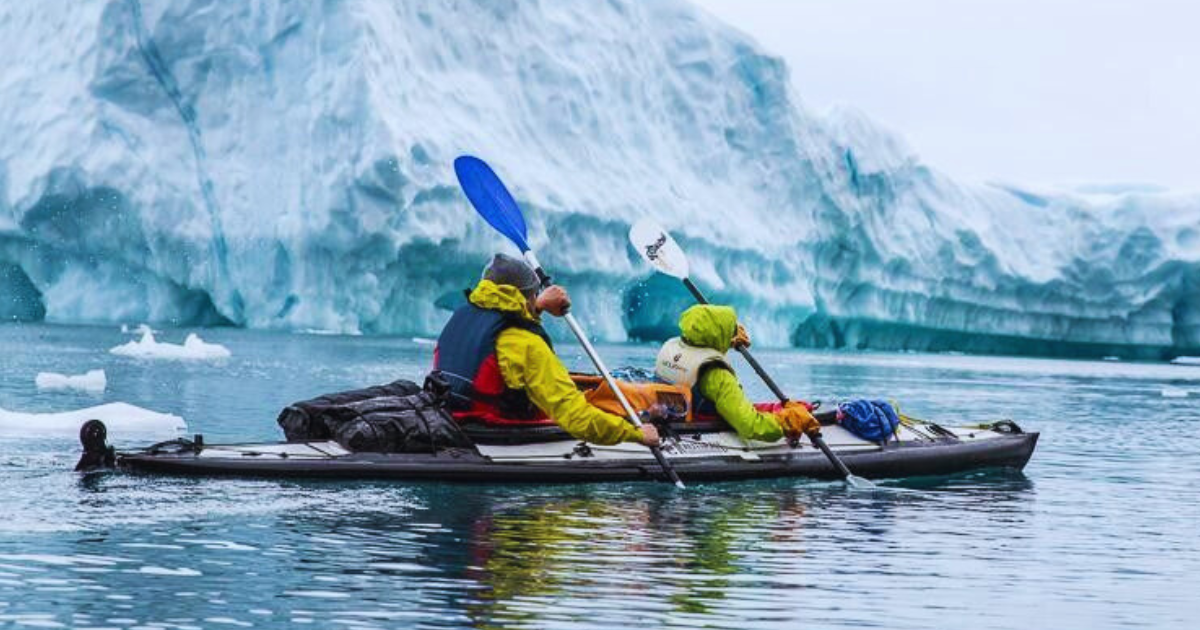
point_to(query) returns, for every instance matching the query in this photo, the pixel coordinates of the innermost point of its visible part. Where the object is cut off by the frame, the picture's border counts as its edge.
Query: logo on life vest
(671, 369)
(653, 248)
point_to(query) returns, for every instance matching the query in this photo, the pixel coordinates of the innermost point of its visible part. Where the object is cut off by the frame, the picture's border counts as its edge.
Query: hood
(499, 297)
(708, 326)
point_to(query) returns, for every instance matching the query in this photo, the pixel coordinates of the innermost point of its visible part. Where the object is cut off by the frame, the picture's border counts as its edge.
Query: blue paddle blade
(491, 199)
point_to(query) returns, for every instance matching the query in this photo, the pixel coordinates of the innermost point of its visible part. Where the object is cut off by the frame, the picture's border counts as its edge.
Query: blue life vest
(466, 357)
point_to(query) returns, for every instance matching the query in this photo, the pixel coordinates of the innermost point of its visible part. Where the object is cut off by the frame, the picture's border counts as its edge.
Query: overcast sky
(1024, 91)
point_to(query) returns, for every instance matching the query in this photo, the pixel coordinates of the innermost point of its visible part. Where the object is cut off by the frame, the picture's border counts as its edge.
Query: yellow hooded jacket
(528, 363)
(711, 326)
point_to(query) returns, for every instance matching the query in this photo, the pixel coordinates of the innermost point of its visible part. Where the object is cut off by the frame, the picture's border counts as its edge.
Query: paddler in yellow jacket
(501, 366)
(696, 359)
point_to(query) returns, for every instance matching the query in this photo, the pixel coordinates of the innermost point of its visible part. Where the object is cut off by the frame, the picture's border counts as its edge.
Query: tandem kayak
(548, 455)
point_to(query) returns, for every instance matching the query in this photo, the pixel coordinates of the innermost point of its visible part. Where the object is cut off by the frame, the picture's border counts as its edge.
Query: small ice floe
(94, 381)
(121, 419)
(424, 341)
(1186, 360)
(1174, 392)
(328, 332)
(193, 348)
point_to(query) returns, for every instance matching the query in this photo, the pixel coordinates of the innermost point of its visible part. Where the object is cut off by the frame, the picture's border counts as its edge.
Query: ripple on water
(165, 571)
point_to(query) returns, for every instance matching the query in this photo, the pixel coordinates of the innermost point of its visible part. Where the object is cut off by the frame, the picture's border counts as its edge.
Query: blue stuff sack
(872, 420)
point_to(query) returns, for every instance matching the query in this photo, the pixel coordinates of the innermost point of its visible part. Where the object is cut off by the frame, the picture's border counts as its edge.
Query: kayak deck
(713, 456)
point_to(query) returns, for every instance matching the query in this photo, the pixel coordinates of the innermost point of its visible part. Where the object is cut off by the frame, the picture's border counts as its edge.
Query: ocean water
(1098, 532)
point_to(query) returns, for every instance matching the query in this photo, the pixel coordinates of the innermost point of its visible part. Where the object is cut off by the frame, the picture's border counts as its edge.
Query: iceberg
(288, 165)
(94, 381)
(193, 349)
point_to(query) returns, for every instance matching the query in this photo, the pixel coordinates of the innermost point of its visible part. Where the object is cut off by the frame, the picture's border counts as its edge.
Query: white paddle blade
(658, 248)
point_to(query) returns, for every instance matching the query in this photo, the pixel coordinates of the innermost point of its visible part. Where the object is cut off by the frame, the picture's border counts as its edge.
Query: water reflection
(582, 555)
(377, 554)
(602, 555)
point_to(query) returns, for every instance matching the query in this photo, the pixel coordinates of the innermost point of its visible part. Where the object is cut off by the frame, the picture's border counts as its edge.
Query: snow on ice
(122, 419)
(94, 381)
(193, 349)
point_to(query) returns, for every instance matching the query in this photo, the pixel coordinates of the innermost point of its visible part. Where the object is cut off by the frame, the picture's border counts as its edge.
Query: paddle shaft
(762, 373)
(590, 350)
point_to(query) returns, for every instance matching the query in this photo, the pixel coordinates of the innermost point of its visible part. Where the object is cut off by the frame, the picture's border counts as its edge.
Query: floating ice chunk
(93, 381)
(348, 332)
(1186, 360)
(120, 418)
(1174, 392)
(193, 348)
(424, 341)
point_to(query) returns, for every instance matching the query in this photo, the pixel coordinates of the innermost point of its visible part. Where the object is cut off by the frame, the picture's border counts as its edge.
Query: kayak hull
(575, 464)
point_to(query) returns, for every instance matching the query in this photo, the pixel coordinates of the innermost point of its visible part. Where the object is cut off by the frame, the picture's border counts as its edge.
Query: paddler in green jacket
(697, 359)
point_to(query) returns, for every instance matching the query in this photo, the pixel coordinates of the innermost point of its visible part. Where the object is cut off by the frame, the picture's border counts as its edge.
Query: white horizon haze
(1037, 93)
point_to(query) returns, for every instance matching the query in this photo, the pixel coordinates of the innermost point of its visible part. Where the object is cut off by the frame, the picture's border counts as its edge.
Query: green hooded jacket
(711, 326)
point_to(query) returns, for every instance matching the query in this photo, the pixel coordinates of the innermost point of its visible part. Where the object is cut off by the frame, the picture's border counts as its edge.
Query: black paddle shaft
(834, 459)
(666, 466)
(743, 350)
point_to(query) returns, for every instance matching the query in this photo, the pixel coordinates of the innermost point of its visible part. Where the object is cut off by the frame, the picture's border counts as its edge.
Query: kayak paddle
(497, 206)
(657, 247)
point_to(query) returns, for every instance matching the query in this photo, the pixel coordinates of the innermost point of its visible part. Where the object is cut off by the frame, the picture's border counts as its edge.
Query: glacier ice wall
(288, 164)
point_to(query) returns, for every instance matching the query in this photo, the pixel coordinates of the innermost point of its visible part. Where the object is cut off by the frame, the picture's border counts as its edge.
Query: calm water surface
(1099, 532)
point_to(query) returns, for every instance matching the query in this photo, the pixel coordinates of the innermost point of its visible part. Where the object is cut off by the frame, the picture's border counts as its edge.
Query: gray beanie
(514, 272)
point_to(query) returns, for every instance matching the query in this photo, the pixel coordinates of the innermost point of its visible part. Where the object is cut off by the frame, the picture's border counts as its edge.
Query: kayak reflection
(685, 550)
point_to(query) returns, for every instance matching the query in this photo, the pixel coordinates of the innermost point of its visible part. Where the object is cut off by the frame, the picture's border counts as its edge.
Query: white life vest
(681, 364)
